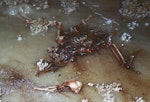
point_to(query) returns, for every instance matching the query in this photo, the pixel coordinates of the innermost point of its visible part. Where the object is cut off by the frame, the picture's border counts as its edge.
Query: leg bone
(58, 24)
(117, 54)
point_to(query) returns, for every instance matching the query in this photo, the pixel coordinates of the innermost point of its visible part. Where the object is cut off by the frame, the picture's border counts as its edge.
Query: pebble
(85, 100)
(19, 38)
(146, 24)
(108, 21)
(90, 84)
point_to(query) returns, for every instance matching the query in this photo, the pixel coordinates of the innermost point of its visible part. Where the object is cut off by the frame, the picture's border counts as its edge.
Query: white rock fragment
(83, 2)
(107, 90)
(41, 64)
(40, 4)
(134, 9)
(122, 45)
(132, 25)
(69, 6)
(90, 84)
(146, 24)
(19, 37)
(139, 99)
(126, 37)
(85, 100)
(24, 8)
(108, 21)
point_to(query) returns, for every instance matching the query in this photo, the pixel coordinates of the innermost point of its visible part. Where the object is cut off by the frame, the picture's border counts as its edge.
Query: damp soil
(17, 60)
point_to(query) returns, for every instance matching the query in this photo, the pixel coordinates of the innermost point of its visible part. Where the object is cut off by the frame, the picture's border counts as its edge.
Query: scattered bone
(139, 99)
(40, 25)
(107, 90)
(71, 85)
(107, 20)
(79, 41)
(126, 37)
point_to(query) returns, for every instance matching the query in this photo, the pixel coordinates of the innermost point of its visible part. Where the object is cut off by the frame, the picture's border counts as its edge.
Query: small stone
(146, 24)
(122, 45)
(85, 100)
(19, 38)
(90, 84)
(108, 21)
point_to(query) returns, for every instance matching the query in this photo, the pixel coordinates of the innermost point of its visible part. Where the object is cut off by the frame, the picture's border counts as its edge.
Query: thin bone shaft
(82, 23)
(117, 54)
(58, 29)
(49, 89)
(58, 25)
(24, 16)
(85, 20)
(131, 61)
(132, 58)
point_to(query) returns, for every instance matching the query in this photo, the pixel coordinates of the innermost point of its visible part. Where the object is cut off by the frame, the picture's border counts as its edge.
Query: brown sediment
(79, 66)
(9, 74)
(11, 79)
